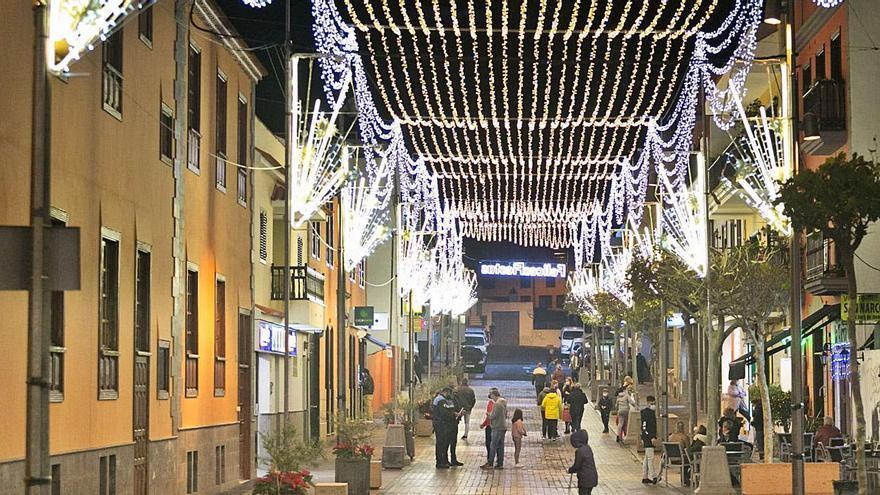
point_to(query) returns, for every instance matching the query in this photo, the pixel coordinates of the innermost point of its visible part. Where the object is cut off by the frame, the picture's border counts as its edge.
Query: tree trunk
(713, 382)
(761, 362)
(855, 380)
(692, 370)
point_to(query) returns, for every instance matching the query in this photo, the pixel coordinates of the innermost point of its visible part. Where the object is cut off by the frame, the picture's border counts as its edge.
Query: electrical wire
(872, 267)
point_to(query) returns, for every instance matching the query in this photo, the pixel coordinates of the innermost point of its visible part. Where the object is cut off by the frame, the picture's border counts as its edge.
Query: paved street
(546, 462)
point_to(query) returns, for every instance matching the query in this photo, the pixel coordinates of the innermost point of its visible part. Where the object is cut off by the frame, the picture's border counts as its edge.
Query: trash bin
(846, 487)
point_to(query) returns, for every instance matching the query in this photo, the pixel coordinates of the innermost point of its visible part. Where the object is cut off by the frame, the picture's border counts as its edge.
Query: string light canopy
(365, 199)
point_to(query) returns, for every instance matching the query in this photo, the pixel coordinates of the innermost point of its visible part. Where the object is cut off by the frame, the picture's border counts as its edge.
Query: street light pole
(797, 390)
(664, 374)
(291, 143)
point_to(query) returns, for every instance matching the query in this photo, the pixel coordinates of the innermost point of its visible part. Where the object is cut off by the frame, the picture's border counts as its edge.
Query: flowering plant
(352, 451)
(284, 483)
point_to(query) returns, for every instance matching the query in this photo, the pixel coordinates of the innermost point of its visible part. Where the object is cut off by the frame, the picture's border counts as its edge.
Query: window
(560, 301)
(192, 332)
(166, 133)
(544, 302)
(550, 282)
(145, 25)
(220, 339)
(807, 77)
(56, 340)
(56, 479)
(194, 107)
(242, 172)
(163, 369)
(220, 110)
(525, 282)
(107, 475)
(820, 64)
(363, 272)
(219, 464)
(192, 471)
(331, 232)
(525, 298)
(264, 236)
(142, 302)
(836, 59)
(108, 344)
(316, 241)
(112, 74)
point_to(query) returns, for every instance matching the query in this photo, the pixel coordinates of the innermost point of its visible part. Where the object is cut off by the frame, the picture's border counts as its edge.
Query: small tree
(840, 199)
(287, 453)
(754, 281)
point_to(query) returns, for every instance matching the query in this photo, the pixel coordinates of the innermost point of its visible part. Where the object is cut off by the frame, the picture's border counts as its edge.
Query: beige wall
(528, 336)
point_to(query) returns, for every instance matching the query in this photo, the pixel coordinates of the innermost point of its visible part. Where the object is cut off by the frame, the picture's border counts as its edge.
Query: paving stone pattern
(545, 462)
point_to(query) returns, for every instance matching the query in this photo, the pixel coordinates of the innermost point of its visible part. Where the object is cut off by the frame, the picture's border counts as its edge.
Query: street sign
(363, 316)
(868, 310)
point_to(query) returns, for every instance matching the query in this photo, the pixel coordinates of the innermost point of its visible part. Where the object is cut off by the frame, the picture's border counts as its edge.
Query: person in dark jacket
(605, 405)
(577, 402)
(539, 379)
(544, 425)
(443, 416)
(468, 400)
(649, 435)
(367, 388)
(758, 425)
(584, 463)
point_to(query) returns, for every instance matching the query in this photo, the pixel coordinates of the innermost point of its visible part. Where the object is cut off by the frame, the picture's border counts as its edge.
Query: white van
(568, 337)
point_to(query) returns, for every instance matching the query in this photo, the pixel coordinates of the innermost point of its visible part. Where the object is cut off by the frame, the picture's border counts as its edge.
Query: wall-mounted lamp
(811, 126)
(773, 12)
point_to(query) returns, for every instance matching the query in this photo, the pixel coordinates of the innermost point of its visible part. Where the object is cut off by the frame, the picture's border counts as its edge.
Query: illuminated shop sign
(522, 269)
(272, 338)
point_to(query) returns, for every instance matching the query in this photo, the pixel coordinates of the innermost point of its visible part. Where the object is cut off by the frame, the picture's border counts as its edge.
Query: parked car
(474, 359)
(568, 338)
(477, 340)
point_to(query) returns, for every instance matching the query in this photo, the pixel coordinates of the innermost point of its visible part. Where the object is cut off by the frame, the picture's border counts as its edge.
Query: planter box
(354, 472)
(331, 489)
(424, 427)
(773, 479)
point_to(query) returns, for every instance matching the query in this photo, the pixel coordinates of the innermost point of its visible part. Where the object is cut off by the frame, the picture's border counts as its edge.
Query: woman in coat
(566, 394)
(552, 406)
(584, 463)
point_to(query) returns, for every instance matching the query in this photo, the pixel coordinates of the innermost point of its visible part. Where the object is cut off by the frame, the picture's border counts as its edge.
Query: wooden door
(141, 423)
(245, 416)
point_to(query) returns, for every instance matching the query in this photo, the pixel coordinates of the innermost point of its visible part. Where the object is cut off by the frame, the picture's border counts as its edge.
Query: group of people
(449, 407)
(559, 398)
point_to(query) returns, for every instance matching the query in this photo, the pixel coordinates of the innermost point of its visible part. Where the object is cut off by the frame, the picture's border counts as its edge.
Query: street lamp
(773, 12)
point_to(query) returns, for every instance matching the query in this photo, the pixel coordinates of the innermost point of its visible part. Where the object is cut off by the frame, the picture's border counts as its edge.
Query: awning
(782, 340)
(376, 342)
(304, 328)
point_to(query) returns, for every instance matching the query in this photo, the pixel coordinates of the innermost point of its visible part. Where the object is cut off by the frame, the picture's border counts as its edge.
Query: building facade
(145, 377)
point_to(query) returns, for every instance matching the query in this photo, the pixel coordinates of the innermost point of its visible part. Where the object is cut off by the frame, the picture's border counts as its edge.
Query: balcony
(112, 90)
(822, 275)
(220, 171)
(306, 284)
(826, 99)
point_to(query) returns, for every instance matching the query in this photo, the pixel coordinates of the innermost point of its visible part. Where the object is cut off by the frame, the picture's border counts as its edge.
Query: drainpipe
(37, 476)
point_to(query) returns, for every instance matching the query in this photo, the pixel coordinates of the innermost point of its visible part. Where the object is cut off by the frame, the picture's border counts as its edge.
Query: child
(517, 432)
(605, 405)
(584, 463)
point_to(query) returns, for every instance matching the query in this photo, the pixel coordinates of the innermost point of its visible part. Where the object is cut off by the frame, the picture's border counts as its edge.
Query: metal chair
(837, 442)
(695, 469)
(675, 457)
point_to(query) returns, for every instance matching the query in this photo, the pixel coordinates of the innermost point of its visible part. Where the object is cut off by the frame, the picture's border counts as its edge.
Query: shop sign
(363, 316)
(271, 338)
(867, 311)
(523, 269)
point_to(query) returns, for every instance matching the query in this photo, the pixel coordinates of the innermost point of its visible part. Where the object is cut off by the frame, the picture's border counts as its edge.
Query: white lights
(828, 3)
(365, 212)
(317, 154)
(75, 26)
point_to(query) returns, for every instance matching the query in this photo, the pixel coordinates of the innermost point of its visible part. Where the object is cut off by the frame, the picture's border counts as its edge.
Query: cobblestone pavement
(546, 463)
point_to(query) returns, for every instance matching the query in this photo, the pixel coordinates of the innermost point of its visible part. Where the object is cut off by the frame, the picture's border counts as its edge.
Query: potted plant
(424, 427)
(353, 454)
(408, 412)
(287, 454)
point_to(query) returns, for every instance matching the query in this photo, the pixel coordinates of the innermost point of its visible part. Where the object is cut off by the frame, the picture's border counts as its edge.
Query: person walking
(498, 422)
(541, 396)
(736, 399)
(517, 432)
(649, 436)
(605, 406)
(467, 400)
(552, 405)
(577, 402)
(558, 375)
(626, 402)
(566, 411)
(539, 378)
(367, 387)
(417, 369)
(485, 425)
(584, 463)
(575, 365)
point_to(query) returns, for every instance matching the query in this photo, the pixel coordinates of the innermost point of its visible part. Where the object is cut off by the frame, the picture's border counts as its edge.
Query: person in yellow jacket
(552, 406)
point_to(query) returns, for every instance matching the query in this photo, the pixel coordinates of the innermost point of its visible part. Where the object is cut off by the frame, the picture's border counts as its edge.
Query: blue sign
(271, 338)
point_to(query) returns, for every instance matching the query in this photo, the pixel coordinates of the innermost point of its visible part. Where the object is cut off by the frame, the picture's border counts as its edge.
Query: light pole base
(714, 472)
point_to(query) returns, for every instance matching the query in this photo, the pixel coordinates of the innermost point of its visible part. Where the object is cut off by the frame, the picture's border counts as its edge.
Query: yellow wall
(528, 336)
